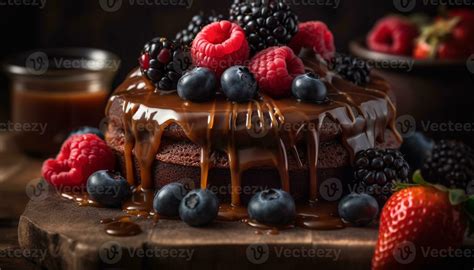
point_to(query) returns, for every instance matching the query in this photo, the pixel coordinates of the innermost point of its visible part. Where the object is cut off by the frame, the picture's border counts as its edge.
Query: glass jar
(56, 91)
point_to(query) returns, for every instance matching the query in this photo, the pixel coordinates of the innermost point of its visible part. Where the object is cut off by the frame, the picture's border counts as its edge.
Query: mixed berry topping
(186, 36)
(199, 208)
(266, 23)
(108, 188)
(272, 207)
(219, 46)
(239, 84)
(451, 164)
(275, 68)
(352, 69)
(315, 36)
(163, 62)
(394, 35)
(416, 149)
(198, 85)
(80, 157)
(377, 170)
(358, 209)
(309, 88)
(168, 198)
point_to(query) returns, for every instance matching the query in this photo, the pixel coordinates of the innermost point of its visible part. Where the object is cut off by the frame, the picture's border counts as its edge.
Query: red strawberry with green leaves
(418, 218)
(450, 38)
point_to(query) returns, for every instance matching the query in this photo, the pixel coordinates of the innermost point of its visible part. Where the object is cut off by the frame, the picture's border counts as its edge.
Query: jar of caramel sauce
(56, 91)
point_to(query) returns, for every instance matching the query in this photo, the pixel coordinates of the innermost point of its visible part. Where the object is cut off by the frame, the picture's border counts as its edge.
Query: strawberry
(451, 38)
(416, 218)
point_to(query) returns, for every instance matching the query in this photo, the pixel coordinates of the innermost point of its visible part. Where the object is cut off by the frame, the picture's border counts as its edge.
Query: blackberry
(376, 171)
(163, 62)
(350, 68)
(186, 36)
(451, 164)
(266, 22)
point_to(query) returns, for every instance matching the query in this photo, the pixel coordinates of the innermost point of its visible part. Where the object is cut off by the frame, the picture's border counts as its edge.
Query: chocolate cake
(239, 148)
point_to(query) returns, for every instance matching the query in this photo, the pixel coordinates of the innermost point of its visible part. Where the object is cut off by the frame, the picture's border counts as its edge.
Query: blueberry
(239, 84)
(198, 85)
(86, 130)
(309, 88)
(358, 209)
(108, 188)
(199, 208)
(272, 207)
(168, 198)
(416, 149)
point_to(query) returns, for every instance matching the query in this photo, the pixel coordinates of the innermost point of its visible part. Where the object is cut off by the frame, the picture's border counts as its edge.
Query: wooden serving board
(71, 237)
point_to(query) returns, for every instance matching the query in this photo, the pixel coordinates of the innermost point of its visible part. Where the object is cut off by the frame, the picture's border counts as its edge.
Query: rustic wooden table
(16, 172)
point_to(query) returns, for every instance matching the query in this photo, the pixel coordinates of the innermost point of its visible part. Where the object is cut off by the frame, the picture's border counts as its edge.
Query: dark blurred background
(85, 23)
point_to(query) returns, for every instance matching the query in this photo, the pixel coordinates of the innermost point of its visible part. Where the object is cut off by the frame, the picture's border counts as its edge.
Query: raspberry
(220, 45)
(316, 36)
(392, 35)
(275, 68)
(80, 156)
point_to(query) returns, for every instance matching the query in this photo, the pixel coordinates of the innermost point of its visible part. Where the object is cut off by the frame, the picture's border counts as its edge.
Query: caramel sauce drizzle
(255, 134)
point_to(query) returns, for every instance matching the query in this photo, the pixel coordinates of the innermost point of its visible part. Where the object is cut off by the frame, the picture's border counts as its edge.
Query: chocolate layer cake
(238, 148)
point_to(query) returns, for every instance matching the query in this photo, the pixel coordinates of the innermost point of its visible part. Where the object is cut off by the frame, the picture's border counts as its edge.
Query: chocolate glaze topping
(260, 133)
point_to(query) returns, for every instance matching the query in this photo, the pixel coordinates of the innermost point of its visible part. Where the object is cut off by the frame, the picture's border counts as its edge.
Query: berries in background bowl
(416, 149)
(239, 84)
(80, 156)
(358, 209)
(275, 69)
(393, 35)
(163, 62)
(168, 199)
(199, 208)
(309, 88)
(86, 130)
(377, 170)
(186, 36)
(198, 85)
(266, 23)
(272, 207)
(219, 46)
(316, 36)
(351, 68)
(451, 164)
(108, 188)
